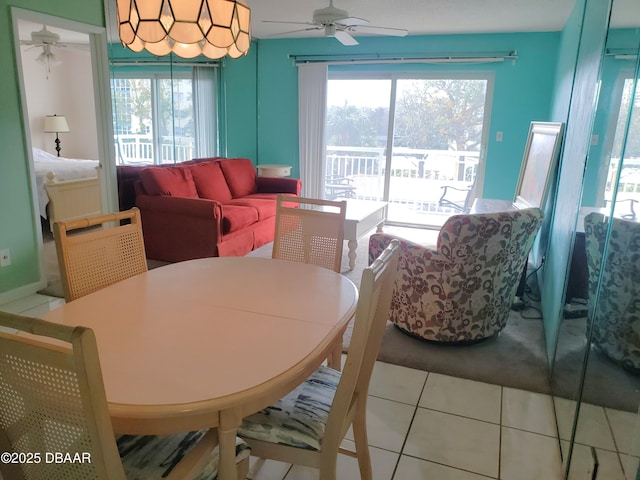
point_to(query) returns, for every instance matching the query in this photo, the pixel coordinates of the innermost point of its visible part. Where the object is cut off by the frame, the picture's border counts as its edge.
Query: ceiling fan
(338, 24)
(47, 40)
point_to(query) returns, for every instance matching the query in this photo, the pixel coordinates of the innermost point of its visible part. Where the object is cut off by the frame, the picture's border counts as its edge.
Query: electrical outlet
(5, 258)
(499, 136)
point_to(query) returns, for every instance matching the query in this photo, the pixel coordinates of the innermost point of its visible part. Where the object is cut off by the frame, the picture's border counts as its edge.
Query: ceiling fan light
(179, 26)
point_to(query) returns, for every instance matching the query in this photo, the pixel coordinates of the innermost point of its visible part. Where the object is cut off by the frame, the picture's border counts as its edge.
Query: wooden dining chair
(53, 408)
(310, 231)
(308, 424)
(97, 251)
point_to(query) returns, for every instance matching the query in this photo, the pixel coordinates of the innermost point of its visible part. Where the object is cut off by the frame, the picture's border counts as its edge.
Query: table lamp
(56, 124)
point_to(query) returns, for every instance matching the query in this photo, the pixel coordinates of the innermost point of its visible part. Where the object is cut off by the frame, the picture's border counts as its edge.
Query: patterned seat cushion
(148, 457)
(298, 419)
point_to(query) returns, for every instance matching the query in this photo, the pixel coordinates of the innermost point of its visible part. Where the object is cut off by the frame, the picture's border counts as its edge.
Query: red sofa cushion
(237, 217)
(168, 181)
(210, 181)
(240, 175)
(266, 208)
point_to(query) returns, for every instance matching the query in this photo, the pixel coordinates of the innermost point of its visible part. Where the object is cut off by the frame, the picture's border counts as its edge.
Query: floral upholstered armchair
(462, 290)
(616, 313)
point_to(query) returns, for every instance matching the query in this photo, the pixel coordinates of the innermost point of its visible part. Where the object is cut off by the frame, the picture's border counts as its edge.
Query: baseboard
(22, 292)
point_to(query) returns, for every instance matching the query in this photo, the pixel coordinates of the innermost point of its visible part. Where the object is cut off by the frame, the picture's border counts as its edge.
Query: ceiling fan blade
(295, 31)
(345, 38)
(290, 23)
(373, 30)
(352, 21)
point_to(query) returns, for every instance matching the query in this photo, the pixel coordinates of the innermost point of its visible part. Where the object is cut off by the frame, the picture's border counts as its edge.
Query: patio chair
(462, 290)
(93, 254)
(307, 426)
(615, 312)
(459, 199)
(337, 186)
(53, 401)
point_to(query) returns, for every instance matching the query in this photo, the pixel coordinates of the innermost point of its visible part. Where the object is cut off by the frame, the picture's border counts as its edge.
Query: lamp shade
(55, 124)
(188, 28)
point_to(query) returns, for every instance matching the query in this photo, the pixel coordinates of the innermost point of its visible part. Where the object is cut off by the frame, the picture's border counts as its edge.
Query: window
(402, 139)
(155, 116)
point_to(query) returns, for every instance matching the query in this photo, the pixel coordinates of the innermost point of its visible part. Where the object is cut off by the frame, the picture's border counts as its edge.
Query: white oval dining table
(203, 343)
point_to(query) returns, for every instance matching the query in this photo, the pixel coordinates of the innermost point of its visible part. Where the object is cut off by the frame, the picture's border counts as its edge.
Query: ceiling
(430, 17)
(419, 17)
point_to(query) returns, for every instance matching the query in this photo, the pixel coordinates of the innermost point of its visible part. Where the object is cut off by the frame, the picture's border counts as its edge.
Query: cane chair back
(307, 426)
(310, 231)
(93, 254)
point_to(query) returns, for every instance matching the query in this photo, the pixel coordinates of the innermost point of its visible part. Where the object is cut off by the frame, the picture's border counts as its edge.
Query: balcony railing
(139, 150)
(416, 179)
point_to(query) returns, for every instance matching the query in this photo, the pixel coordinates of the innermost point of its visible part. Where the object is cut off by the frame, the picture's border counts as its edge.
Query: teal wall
(523, 92)
(17, 230)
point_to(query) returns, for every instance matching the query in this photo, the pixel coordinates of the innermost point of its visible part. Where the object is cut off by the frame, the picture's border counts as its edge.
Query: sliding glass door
(403, 140)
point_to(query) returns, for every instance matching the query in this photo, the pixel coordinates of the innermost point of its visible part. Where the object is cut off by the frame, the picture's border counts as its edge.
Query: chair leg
(360, 439)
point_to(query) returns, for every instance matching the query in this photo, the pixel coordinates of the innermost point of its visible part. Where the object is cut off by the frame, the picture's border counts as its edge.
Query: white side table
(274, 170)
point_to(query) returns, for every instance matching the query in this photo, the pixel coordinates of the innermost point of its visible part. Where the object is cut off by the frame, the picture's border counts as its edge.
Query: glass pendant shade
(188, 28)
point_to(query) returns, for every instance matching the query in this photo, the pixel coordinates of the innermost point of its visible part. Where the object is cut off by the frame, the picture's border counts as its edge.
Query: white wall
(67, 91)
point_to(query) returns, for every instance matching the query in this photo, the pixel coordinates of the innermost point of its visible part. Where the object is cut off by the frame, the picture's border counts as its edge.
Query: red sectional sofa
(208, 208)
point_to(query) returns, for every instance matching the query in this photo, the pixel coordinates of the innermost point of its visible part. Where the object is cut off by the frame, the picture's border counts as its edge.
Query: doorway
(62, 71)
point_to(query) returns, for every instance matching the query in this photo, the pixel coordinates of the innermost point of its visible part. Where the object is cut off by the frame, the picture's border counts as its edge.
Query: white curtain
(312, 111)
(205, 118)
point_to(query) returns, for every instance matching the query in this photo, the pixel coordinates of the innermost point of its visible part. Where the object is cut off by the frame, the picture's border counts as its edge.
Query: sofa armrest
(278, 185)
(177, 229)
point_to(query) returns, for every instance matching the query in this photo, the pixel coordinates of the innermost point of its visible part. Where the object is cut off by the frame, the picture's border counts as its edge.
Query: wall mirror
(600, 335)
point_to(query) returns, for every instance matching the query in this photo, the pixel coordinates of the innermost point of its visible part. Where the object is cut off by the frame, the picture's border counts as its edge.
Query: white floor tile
(383, 462)
(528, 411)
(26, 303)
(626, 430)
(593, 427)
(261, 469)
(582, 463)
(416, 469)
(458, 396)
(458, 442)
(400, 384)
(630, 466)
(387, 423)
(529, 456)
(44, 308)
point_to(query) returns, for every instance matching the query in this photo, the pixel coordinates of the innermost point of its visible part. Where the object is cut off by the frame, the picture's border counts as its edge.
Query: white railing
(416, 176)
(139, 150)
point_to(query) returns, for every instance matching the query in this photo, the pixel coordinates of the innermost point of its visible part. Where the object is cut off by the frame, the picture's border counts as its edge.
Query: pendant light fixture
(188, 28)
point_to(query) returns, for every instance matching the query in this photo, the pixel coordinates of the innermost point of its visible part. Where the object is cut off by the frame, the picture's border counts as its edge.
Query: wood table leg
(227, 431)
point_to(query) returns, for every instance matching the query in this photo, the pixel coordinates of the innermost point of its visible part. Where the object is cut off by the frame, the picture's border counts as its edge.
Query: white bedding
(64, 168)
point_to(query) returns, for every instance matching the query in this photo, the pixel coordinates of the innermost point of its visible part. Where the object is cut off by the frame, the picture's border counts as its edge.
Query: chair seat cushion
(298, 419)
(149, 457)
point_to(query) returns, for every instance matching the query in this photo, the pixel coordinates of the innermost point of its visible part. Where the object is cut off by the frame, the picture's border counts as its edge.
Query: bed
(67, 188)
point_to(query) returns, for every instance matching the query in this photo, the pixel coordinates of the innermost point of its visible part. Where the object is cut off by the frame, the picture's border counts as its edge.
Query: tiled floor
(425, 425)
